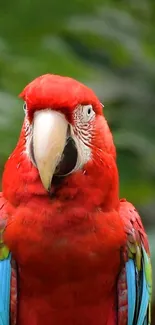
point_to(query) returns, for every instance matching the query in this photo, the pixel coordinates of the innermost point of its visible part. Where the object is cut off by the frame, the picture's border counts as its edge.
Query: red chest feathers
(68, 263)
(65, 243)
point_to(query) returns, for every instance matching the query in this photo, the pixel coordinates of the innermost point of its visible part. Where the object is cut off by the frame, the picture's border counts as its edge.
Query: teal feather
(144, 302)
(131, 283)
(139, 290)
(5, 283)
(137, 285)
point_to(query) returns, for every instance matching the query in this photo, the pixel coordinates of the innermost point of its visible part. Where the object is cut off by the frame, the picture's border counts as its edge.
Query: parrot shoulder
(135, 279)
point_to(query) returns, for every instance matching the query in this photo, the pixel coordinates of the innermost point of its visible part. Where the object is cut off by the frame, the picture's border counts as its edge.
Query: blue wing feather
(133, 298)
(144, 302)
(135, 286)
(131, 284)
(5, 279)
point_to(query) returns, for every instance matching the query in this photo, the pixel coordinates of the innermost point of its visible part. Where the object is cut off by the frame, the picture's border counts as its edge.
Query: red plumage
(67, 247)
(59, 93)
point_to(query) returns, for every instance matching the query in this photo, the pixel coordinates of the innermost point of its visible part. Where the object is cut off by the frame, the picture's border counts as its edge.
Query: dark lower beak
(68, 159)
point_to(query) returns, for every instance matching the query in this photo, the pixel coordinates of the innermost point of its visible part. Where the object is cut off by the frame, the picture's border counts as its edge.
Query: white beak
(49, 139)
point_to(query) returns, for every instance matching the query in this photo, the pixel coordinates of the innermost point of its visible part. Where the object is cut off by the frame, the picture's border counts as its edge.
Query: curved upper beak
(49, 139)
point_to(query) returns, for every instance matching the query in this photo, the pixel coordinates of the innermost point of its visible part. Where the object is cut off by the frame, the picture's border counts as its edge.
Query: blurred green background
(110, 46)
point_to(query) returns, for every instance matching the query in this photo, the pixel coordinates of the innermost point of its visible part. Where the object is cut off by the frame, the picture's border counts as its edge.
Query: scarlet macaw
(71, 252)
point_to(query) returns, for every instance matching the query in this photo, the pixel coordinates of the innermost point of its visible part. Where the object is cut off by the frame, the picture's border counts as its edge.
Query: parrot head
(65, 137)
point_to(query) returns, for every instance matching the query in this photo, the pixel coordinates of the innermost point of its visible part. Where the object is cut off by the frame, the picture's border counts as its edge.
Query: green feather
(148, 271)
(4, 252)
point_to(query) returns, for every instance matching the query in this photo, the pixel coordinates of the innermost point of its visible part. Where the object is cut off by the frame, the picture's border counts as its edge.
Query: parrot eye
(24, 107)
(87, 113)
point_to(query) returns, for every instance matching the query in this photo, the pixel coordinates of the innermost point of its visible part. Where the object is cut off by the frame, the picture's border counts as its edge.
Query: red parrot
(71, 252)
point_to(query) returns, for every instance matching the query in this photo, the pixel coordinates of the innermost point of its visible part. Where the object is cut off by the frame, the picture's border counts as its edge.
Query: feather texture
(8, 284)
(5, 270)
(66, 275)
(138, 271)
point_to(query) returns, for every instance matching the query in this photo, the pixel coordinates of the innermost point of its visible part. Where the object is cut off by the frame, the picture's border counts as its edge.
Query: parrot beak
(49, 139)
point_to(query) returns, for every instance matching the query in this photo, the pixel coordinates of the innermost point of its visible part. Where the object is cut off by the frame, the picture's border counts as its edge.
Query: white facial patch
(28, 135)
(81, 132)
